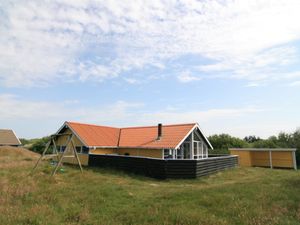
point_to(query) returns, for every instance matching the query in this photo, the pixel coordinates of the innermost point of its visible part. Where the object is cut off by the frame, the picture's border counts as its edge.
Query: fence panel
(162, 169)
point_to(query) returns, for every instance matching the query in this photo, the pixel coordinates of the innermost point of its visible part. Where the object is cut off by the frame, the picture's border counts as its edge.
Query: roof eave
(143, 147)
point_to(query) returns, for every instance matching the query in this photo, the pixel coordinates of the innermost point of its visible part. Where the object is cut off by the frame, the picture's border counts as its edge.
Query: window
(186, 150)
(63, 148)
(205, 151)
(196, 136)
(126, 153)
(58, 148)
(180, 152)
(168, 154)
(199, 151)
(78, 149)
(196, 153)
(85, 150)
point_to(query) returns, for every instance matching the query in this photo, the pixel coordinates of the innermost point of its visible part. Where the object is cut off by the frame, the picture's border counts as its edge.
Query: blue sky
(231, 66)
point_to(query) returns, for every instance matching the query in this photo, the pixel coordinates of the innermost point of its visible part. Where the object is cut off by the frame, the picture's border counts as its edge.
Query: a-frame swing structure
(69, 145)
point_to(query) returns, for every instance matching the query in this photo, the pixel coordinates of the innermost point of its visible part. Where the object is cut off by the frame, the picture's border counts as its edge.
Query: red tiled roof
(133, 137)
(146, 137)
(94, 135)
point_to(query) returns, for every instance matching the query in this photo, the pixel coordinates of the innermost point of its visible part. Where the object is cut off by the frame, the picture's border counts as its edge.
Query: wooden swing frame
(51, 143)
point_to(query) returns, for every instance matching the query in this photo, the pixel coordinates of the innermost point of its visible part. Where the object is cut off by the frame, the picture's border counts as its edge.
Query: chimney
(159, 131)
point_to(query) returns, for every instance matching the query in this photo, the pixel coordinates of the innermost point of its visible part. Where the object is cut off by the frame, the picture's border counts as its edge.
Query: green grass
(236, 196)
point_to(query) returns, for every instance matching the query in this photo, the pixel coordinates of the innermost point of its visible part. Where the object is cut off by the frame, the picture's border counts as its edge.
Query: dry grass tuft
(17, 152)
(11, 157)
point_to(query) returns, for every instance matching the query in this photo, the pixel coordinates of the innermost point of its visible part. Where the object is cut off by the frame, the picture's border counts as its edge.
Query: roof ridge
(133, 127)
(167, 125)
(89, 124)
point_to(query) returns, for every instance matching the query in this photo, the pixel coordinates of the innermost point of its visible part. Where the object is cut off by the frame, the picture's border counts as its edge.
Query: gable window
(193, 147)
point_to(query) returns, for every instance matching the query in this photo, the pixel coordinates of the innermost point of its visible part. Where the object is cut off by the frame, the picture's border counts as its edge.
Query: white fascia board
(17, 137)
(207, 141)
(194, 127)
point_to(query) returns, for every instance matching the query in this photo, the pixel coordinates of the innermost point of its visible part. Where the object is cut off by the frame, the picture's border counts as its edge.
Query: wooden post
(44, 152)
(270, 157)
(294, 160)
(60, 159)
(76, 155)
(55, 148)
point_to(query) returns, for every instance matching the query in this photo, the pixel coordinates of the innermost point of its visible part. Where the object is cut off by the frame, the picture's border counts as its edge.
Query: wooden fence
(163, 169)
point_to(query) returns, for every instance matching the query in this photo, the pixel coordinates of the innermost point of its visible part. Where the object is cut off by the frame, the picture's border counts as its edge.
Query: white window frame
(180, 156)
(199, 149)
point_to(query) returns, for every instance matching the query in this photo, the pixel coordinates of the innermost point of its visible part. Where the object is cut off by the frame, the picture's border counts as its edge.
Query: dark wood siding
(145, 166)
(163, 169)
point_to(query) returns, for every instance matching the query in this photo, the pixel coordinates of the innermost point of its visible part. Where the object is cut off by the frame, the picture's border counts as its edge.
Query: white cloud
(259, 68)
(132, 80)
(15, 107)
(12, 107)
(198, 116)
(293, 75)
(295, 84)
(38, 118)
(253, 84)
(47, 116)
(186, 77)
(46, 41)
(240, 121)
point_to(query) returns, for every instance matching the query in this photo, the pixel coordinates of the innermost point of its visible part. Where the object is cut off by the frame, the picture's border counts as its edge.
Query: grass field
(237, 196)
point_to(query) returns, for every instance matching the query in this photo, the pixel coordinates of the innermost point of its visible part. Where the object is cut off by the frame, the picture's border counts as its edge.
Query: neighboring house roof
(132, 137)
(8, 137)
